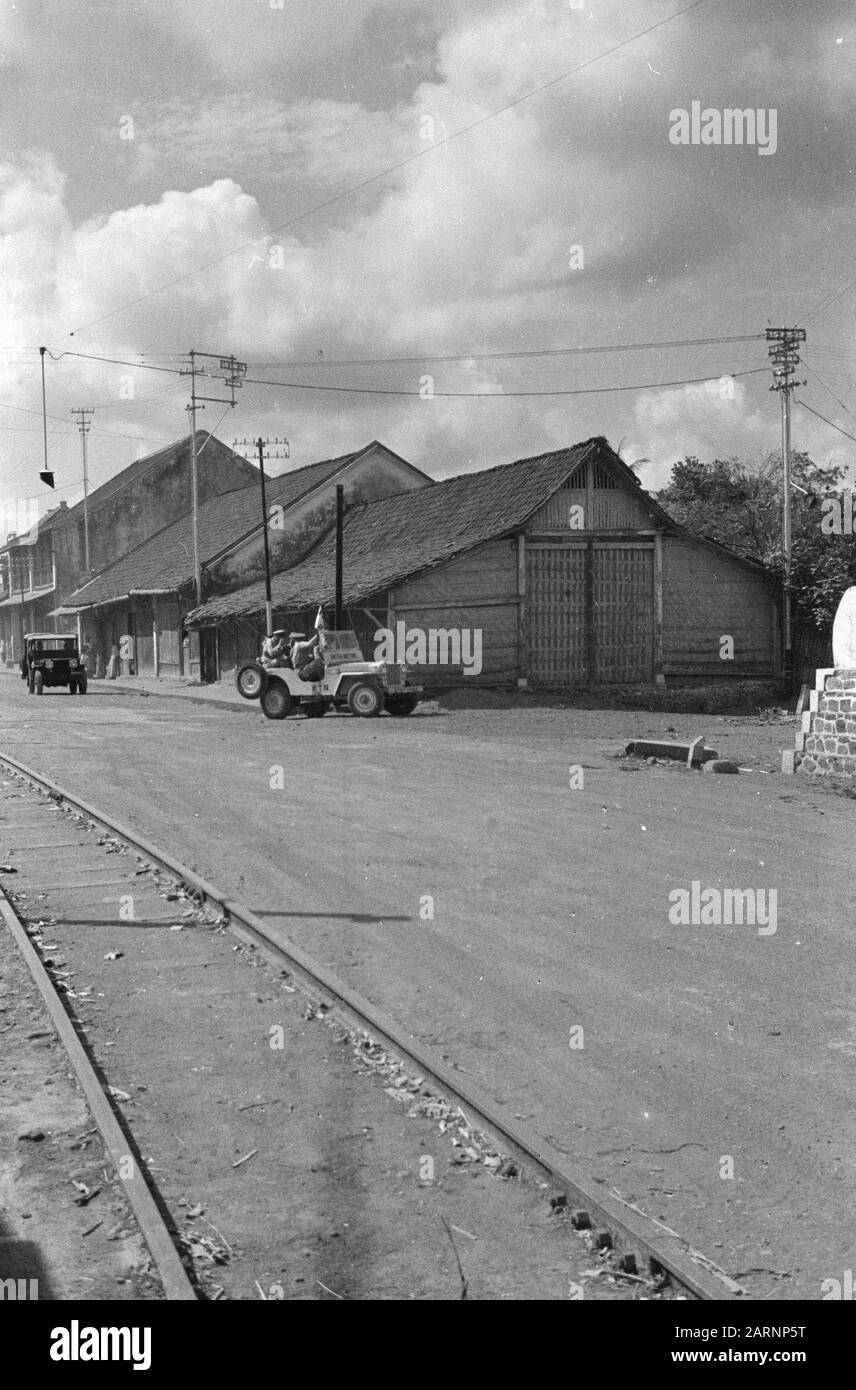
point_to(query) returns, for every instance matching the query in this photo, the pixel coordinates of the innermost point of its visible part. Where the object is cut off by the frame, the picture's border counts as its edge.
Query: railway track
(638, 1241)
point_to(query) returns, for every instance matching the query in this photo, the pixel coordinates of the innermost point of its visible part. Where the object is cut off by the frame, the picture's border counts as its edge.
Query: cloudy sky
(284, 180)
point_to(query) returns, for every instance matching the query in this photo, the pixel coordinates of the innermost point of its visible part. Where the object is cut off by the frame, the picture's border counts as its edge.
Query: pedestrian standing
(113, 663)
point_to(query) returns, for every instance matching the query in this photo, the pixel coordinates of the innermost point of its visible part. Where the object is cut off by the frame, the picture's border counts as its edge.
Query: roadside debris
(84, 1194)
(690, 754)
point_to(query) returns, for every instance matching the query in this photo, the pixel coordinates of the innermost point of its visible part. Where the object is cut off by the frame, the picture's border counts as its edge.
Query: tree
(740, 506)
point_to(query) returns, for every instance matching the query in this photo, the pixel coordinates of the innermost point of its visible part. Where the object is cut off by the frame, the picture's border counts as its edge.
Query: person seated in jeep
(275, 649)
(306, 656)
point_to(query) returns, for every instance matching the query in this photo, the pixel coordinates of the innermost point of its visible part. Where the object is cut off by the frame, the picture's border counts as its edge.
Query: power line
(116, 361)
(472, 356)
(829, 389)
(496, 356)
(430, 394)
(401, 164)
(831, 423)
(828, 299)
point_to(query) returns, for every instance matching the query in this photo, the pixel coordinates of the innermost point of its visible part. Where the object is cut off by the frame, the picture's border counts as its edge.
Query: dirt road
(444, 866)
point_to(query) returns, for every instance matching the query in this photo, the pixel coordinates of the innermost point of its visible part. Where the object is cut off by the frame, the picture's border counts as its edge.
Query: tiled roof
(385, 541)
(165, 561)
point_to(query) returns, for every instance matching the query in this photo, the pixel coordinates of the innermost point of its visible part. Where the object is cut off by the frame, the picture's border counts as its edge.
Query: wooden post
(340, 510)
(589, 605)
(522, 616)
(659, 655)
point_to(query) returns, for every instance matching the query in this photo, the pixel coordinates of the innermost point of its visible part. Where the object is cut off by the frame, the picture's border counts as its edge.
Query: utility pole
(782, 350)
(46, 474)
(82, 412)
(340, 515)
(283, 452)
(229, 371)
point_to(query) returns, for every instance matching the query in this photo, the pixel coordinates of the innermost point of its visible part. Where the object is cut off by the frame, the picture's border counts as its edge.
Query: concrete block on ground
(694, 752)
(789, 761)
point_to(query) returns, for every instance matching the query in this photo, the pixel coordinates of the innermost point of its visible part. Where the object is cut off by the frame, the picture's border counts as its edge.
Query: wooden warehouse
(567, 569)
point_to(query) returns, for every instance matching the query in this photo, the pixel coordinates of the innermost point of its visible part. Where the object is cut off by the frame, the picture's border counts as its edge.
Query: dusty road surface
(444, 866)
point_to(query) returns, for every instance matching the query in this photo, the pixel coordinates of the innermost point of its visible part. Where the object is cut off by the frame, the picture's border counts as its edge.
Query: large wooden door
(169, 638)
(144, 631)
(624, 613)
(589, 613)
(555, 614)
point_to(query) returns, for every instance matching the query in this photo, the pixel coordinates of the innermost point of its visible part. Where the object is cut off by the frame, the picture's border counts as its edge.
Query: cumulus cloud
(466, 246)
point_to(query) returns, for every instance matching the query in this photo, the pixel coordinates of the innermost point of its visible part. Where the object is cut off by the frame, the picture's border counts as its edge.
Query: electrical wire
(828, 299)
(401, 164)
(831, 423)
(497, 356)
(503, 395)
(828, 389)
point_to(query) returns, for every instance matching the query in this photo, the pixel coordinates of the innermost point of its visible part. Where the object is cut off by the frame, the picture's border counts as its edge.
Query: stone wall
(827, 740)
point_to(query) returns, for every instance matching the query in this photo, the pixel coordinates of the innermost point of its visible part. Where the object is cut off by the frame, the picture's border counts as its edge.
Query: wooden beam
(589, 613)
(659, 659)
(510, 602)
(522, 649)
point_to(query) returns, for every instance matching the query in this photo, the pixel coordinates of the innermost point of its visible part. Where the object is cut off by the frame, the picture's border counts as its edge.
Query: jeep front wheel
(401, 704)
(365, 700)
(252, 681)
(38, 683)
(276, 700)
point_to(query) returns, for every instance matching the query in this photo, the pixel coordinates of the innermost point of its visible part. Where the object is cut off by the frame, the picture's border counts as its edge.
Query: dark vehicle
(52, 658)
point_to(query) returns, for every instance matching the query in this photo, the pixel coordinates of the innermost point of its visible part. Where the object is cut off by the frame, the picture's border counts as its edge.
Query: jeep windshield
(340, 647)
(53, 646)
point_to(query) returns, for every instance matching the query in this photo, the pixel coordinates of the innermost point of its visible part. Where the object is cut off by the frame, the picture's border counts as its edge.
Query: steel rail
(153, 1228)
(663, 1249)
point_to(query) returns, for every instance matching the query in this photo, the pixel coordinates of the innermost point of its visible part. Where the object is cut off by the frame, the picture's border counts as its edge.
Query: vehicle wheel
(252, 681)
(313, 709)
(276, 700)
(38, 683)
(401, 704)
(81, 685)
(365, 700)
(30, 690)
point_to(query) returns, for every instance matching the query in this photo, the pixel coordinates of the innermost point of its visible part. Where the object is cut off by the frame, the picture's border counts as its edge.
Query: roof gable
(165, 561)
(387, 540)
